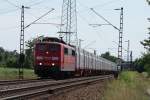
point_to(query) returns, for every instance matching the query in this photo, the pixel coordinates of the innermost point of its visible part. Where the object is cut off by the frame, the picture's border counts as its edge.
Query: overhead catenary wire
(34, 4)
(18, 7)
(39, 18)
(105, 19)
(50, 24)
(37, 3)
(87, 22)
(106, 3)
(97, 6)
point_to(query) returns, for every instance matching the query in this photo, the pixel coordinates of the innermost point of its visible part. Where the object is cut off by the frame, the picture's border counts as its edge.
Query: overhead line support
(21, 57)
(120, 33)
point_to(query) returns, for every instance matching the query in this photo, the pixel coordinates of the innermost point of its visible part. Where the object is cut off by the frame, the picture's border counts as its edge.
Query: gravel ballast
(91, 92)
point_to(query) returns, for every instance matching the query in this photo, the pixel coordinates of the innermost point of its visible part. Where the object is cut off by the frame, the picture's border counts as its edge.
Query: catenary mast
(68, 30)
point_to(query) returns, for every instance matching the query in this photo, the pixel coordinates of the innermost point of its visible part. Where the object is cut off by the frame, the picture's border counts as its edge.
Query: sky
(102, 38)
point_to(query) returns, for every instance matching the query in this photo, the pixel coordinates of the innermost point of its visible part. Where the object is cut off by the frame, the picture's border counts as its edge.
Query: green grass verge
(129, 86)
(12, 73)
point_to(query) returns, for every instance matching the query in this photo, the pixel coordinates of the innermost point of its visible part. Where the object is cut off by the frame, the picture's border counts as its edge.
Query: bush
(11, 63)
(147, 68)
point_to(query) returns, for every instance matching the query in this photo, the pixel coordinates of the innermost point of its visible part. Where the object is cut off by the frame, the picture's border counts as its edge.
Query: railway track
(34, 89)
(13, 82)
(8, 82)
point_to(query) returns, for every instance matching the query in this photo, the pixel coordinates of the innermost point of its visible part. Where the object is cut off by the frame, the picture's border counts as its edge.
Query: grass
(129, 86)
(12, 73)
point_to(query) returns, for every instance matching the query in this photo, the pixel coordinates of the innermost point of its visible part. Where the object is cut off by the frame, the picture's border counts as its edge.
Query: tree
(143, 63)
(146, 42)
(109, 57)
(148, 1)
(1, 54)
(8, 58)
(138, 65)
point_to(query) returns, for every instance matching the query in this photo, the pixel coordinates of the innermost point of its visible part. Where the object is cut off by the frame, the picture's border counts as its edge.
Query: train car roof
(97, 56)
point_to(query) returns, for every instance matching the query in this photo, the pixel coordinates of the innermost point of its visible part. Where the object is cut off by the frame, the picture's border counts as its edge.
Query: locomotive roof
(52, 39)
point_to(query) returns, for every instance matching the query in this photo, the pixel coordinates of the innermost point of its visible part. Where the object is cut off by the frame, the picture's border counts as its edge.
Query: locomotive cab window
(73, 53)
(66, 51)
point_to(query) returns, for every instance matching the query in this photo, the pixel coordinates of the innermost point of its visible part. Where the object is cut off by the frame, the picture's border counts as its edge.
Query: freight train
(54, 58)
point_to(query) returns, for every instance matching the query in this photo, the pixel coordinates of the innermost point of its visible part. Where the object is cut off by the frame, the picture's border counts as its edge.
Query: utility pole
(68, 30)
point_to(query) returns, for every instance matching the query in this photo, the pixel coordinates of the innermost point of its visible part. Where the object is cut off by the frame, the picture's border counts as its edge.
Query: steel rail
(11, 82)
(48, 88)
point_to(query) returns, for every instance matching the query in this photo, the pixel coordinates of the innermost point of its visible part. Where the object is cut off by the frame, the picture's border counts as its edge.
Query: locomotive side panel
(68, 59)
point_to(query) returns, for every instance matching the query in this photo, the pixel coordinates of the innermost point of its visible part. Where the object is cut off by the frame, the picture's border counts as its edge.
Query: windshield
(53, 47)
(41, 47)
(47, 47)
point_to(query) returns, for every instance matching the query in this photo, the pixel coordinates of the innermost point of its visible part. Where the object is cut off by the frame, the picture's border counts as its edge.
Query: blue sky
(136, 13)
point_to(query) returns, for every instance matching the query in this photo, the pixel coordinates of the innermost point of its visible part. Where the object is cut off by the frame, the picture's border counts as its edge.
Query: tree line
(143, 63)
(11, 58)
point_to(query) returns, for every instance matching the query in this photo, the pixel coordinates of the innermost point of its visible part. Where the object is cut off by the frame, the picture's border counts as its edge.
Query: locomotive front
(47, 59)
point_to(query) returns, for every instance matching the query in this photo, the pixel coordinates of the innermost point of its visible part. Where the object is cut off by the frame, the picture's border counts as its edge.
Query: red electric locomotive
(52, 57)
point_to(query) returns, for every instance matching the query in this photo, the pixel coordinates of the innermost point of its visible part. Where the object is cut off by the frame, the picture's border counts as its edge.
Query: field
(129, 86)
(12, 73)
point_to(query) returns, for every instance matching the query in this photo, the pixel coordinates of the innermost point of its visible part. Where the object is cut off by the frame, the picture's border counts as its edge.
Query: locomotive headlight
(47, 52)
(40, 64)
(53, 64)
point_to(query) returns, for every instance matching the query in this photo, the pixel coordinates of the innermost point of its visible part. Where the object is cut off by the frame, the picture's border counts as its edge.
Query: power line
(37, 3)
(12, 4)
(106, 3)
(34, 4)
(18, 8)
(100, 5)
